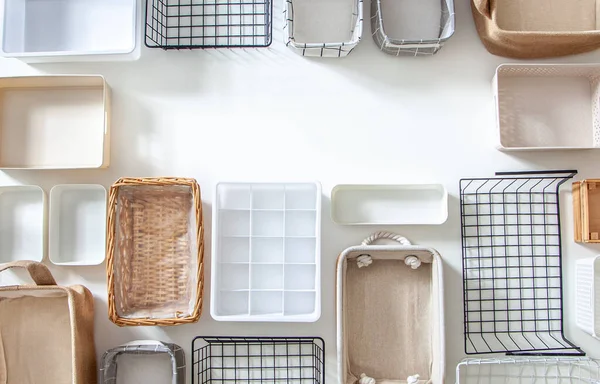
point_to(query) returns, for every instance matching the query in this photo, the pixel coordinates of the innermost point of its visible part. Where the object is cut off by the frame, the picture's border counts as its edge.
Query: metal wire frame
(533, 370)
(189, 24)
(512, 271)
(293, 360)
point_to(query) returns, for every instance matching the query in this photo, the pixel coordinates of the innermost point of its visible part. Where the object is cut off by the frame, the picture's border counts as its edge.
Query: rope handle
(385, 235)
(40, 274)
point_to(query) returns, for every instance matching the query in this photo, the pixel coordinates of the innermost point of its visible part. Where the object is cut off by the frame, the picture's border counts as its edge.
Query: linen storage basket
(140, 359)
(390, 313)
(155, 251)
(412, 28)
(46, 330)
(588, 295)
(321, 28)
(547, 106)
(537, 28)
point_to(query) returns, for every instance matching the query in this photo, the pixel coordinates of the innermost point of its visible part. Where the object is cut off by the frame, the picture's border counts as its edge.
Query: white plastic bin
(266, 259)
(22, 223)
(588, 295)
(77, 224)
(70, 30)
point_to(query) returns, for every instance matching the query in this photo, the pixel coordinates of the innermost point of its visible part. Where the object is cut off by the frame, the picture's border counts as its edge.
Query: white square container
(70, 30)
(547, 107)
(77, 224)
(389, 204)
(266, 256)
(54, 122)
(22, 223)
(588, 295)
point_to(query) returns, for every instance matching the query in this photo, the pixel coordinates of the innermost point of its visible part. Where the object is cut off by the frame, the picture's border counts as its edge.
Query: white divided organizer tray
(77, 224)
(22, 226)
(54, 122)
(554, 106)
(266, 252)
(389, 204)
(71, 30)
(588, 295)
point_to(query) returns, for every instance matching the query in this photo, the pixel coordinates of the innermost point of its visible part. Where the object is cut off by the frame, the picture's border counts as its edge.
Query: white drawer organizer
(54, 122)
(70, 30)
(22, 223)
(266, 261)
(77, 224)
(588, 295)
(543, 107)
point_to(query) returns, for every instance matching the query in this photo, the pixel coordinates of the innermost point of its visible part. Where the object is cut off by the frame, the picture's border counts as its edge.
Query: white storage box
(22, 224)
(77, 224)
(389, 204)
(70, 30)
(390, 313)
(266, 259)
(588, 295)
(54, 122)
(329, 28)
(552, 106)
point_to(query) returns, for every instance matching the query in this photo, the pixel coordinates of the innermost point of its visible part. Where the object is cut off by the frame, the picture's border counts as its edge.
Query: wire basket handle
(385, 235)
(40, 274)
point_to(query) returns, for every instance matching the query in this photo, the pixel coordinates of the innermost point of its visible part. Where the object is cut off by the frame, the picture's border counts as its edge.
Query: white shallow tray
(22, 229)
(389, 204)
(588, 295)
(77, 224)
(70, 30)
(266, 258)
(54, 122)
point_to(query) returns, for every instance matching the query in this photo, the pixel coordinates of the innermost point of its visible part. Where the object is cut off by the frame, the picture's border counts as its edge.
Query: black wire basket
(512, 272)
(189, 24)
(293, 360)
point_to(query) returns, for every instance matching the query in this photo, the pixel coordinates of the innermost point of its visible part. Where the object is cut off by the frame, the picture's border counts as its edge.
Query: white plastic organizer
(588, 295)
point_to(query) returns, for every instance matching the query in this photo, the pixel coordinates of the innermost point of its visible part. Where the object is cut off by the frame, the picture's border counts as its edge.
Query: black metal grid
(293, 360)
(512, 272)
(188, 24)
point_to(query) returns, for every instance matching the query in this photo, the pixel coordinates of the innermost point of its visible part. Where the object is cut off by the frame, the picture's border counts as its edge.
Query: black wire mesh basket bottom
(277, 360)
(188, 24)
(512, 272)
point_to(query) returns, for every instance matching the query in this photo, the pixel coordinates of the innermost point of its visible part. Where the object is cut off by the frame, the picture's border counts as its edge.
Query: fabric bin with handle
(390, 313)
(46, 330)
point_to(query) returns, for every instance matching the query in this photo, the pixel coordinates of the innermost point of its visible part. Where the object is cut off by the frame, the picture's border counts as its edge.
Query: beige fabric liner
(36, 356)
(547, 15)
(385, 303)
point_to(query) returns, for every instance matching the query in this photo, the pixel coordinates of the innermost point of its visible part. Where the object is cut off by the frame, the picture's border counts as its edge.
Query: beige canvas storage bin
(390, 313)
(54, 122)
(537, 28)
(46, 331)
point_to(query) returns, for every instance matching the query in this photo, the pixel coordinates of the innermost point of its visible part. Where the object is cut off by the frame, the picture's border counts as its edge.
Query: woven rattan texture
(151, 250)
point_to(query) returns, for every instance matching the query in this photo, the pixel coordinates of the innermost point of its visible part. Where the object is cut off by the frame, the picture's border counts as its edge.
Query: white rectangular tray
(389, 204)
(547, 106)
(70, 30)
(77, 224)
(266, 258)
(588, 295)
(54, 122)
(22, 224)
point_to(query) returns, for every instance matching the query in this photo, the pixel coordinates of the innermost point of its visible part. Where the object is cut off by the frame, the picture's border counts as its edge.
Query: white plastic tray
(70, 30)
(389, 204)
(77, 224)
(54, 122)
(588, 295)
(22, 224)
(266, 258)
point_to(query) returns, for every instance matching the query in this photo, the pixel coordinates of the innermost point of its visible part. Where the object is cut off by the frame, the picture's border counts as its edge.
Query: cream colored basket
(390, 313)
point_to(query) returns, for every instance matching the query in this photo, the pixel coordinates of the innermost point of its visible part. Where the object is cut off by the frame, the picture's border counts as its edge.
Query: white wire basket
(533, 370)
(588, 295)
(323, 28)
(413, 27)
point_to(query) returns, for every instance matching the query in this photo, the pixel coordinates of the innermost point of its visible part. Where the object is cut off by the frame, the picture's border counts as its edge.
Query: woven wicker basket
(155, 251)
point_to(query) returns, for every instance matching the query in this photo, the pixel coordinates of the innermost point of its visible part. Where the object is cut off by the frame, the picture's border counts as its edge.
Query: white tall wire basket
(532, 370)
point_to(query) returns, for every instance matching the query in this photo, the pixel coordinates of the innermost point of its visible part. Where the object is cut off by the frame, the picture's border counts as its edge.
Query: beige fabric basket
(155, 250)
(390, 316)
(46, 331)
